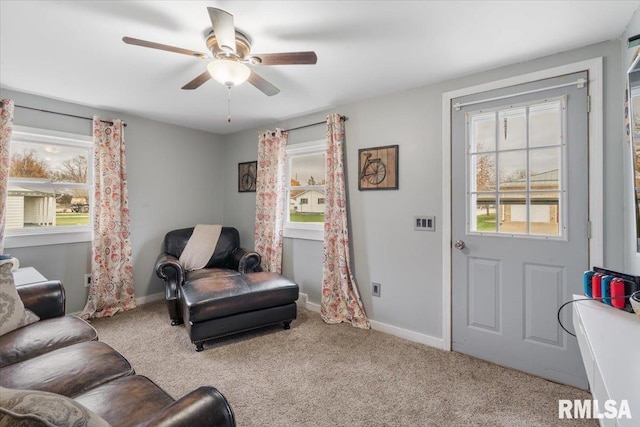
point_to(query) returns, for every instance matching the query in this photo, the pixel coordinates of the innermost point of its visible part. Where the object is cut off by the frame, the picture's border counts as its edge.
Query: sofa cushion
(43, 337)
(39, 408)
(210, 298)
(69, 370)
(135, 397)
(13, 315)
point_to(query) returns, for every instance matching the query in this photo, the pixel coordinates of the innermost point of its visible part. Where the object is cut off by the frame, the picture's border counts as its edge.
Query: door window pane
(513, 125)
(545, 125)
(544, 168)
(483, 212)
(513, 213)
(483, 132)
(512, 170)
(544, 213)
(484, 172)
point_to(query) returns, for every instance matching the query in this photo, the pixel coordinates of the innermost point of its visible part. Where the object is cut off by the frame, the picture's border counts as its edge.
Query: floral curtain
(111, 288)
(270, 198)
(6, 128)
(340, 298)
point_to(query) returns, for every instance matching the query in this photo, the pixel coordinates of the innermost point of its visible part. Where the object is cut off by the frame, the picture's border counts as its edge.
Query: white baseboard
(303, 300)
(149, 298)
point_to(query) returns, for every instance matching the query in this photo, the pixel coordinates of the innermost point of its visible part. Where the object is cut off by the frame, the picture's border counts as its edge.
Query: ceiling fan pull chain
(229, 104)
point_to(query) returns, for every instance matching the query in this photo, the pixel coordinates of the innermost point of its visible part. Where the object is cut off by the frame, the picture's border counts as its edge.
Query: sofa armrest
(205, 406)
(245, 261)
(46, 299)
(169, 269)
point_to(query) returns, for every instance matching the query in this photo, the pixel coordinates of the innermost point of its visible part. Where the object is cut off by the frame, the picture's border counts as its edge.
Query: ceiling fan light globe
(228, 72)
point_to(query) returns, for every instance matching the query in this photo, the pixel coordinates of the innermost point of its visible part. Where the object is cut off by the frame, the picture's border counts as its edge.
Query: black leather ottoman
(216, 306)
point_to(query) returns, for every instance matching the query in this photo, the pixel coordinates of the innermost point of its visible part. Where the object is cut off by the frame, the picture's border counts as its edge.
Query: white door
(520, 223)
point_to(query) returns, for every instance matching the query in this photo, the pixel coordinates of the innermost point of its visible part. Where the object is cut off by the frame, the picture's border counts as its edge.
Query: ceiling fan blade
(223, 28)
(288, 58)
(154, 45)
(198, 81)
(266, 87)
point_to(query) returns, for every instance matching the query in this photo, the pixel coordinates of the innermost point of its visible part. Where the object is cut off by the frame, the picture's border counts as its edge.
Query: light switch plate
(424, 223)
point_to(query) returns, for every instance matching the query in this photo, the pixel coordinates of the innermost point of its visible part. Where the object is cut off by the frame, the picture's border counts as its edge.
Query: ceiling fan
(230, 52)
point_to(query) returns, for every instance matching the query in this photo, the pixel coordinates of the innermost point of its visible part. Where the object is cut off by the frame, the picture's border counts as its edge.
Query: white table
(26, 275)
(609, 341)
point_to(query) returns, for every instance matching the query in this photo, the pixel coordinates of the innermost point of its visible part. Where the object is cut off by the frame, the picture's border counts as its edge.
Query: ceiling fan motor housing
(243, 46)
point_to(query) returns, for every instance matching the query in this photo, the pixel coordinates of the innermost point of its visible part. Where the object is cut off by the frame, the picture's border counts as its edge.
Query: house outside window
(304, 217)
(50, 187)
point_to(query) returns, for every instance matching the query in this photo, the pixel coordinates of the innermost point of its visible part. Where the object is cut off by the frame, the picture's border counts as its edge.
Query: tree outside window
(49, 181)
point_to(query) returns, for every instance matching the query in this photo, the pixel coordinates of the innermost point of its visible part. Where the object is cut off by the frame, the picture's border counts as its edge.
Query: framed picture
(378, 168)
(247, 177)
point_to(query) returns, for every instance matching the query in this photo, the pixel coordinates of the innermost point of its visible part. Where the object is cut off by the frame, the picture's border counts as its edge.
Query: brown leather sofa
(61, 354)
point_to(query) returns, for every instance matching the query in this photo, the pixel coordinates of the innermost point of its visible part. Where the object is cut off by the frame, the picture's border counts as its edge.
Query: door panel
(484, 294)
(543, 286)
(520, 204)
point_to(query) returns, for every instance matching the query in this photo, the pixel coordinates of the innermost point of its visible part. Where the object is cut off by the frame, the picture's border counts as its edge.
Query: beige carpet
(335, 375)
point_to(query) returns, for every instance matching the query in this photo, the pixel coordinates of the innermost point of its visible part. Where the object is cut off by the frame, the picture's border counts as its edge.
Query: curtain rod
(343, 118)
(65, 114)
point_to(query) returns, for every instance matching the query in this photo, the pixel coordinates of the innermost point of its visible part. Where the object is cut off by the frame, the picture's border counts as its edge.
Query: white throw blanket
(200, 246)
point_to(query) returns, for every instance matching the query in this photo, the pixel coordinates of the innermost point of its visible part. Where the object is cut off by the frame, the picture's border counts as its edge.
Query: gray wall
(174, 177)
(386, 249)
(632, 264)
(179, 177)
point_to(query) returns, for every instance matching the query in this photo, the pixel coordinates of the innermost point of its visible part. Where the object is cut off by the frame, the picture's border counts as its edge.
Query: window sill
(49, 238)
(304, 233)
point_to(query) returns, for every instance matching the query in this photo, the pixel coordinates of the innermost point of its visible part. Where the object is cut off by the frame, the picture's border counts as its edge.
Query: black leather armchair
(228, 259)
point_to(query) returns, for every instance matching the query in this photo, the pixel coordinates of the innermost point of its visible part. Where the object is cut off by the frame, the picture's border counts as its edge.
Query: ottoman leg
(287, 324)
(199, 346)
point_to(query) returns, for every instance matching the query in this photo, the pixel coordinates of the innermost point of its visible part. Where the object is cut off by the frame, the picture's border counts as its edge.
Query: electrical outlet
(87, 280)
(375, 289)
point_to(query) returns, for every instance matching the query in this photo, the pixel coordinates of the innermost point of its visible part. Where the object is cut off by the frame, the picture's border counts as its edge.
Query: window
(49, 188)
(304, 218)
(516, 158)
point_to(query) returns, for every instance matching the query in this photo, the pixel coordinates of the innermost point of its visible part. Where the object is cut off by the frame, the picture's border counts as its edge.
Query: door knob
(459, 244)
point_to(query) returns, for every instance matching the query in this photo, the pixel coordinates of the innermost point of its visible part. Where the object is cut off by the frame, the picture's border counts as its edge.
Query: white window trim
(21, 238)
(299, 230)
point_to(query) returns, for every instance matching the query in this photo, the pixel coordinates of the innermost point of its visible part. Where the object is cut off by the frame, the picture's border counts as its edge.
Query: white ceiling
(73, 50)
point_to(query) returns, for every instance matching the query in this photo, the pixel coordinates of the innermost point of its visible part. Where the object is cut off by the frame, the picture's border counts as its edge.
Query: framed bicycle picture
(247, 177)
(378, 168)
